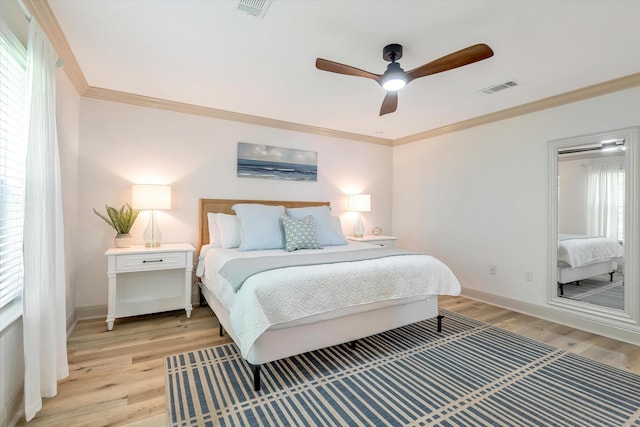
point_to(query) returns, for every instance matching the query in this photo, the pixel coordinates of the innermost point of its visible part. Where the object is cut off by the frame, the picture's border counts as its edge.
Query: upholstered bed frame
(318, 331)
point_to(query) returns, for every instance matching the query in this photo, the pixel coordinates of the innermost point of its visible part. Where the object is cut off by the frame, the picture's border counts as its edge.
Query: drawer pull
(151, 260)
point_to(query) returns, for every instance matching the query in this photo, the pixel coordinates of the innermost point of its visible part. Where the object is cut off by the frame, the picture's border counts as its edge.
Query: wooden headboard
(224, 206)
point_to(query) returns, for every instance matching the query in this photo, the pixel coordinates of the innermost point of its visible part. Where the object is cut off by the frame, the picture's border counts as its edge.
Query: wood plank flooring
(117, 378)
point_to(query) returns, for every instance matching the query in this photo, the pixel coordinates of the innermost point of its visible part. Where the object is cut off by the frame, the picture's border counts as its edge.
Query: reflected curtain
(44, 323)
(602, 199)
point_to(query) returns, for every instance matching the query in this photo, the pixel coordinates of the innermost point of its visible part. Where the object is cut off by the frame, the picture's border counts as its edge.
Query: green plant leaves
(120, 220)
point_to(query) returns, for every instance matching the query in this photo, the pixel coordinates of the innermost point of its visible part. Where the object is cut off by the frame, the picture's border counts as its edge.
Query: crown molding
(43, 14)
(164, 104)
(592, 91)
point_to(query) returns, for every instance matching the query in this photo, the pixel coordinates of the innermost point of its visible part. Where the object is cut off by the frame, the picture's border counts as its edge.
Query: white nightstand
(148, 280)
(375, 240)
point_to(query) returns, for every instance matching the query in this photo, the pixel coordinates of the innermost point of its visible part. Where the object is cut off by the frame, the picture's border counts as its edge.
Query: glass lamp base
(152, 235)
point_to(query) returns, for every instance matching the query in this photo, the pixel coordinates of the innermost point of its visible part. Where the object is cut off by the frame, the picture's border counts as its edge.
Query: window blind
(12, 164)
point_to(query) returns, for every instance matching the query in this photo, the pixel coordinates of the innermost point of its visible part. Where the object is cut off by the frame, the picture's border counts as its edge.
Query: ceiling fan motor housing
(392, 52)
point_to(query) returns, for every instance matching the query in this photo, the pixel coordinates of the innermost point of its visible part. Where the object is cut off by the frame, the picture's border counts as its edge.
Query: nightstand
(375, 240)
(146, 280)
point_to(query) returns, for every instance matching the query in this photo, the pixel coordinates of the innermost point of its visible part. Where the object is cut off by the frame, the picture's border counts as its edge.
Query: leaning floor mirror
(593, 244)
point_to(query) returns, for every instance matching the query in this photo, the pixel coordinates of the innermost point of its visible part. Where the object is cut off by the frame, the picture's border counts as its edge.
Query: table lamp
(151, 197)
(359, 203)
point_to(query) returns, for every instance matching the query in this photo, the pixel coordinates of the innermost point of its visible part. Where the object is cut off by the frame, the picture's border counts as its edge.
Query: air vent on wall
(498, 88)
(254, 7)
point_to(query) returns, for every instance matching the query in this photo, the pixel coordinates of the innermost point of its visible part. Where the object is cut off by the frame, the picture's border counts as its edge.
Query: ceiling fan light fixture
(394, 83)
(394, 78)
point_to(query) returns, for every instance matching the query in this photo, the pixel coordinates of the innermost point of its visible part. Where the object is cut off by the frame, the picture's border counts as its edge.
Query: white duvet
(278, 296)
(578, 251)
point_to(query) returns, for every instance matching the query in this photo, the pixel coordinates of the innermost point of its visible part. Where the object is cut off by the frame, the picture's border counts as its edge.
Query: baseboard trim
(629, 334)
(91, 312)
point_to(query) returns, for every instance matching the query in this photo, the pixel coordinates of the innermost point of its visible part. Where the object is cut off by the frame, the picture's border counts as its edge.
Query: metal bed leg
(221, 331)
(561, 286)
(611, 276)
(440, 317)
(256, 378)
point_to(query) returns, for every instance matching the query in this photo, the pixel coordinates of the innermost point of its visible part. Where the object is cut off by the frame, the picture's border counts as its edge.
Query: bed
(287, 310)
(581, 257)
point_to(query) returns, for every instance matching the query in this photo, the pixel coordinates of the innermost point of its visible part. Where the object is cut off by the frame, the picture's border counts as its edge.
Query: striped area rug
(471, 374)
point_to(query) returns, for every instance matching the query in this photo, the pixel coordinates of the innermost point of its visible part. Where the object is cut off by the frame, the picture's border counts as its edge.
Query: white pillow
(229, 230)
(337, 225)
(214, 230)
(260, 226)
(327, 234)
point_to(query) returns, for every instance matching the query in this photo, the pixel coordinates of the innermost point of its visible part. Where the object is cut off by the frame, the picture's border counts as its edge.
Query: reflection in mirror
(591, 218)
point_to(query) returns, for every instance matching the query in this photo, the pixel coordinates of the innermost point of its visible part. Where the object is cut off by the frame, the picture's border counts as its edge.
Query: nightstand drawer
(154, 261)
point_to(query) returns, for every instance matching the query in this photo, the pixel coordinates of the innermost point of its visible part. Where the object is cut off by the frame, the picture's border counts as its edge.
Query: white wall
(122, 144)
(479, 197)
(572, 201)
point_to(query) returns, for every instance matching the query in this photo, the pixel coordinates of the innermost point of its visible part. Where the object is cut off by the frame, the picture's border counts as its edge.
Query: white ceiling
(209, 53)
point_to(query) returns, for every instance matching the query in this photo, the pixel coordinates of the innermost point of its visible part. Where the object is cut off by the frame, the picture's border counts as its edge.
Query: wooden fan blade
(335, 67)
(457, 59)
(390, 103)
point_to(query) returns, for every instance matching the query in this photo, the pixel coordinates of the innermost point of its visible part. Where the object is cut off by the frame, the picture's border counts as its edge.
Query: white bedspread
(578, 251)
(278, 296)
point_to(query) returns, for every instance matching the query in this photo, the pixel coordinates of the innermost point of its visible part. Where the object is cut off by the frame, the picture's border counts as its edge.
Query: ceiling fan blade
(457, 59)
(335, 67)
(390, 103)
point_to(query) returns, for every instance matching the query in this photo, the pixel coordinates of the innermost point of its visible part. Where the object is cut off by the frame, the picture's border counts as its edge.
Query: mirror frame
(600, 314)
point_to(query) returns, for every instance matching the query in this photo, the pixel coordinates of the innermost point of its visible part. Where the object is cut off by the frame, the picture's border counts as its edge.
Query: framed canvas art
(265, 161)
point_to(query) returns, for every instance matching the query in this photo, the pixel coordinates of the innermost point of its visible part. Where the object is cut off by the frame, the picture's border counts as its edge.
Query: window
(12, 164)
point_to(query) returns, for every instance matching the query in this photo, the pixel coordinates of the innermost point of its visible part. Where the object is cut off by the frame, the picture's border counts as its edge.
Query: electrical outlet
(528, 276)
(493, 269)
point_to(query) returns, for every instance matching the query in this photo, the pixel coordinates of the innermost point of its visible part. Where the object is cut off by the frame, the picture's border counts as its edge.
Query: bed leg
(440, 317)
(611, 276)
(256, 378)
(203, 301)
(561, 286)
(221, 331)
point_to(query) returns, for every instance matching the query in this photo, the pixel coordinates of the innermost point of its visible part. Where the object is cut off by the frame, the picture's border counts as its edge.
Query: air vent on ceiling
(254, 7)
(498, 88)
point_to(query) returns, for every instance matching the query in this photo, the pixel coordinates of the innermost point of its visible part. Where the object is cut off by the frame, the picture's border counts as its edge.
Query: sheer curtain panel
(45, 342)
(602, 199)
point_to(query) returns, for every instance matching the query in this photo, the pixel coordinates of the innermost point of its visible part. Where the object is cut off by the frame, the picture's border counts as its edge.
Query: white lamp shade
(359, 203)
(150, 196)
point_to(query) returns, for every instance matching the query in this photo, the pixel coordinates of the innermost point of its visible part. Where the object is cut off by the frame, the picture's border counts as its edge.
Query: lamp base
(359, 228)
(152, 235)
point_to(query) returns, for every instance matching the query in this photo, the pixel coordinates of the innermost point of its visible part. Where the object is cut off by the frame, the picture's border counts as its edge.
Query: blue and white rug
(470, 374)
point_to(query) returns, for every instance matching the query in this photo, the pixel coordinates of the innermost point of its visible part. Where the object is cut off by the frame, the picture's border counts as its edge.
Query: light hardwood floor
(117, 377)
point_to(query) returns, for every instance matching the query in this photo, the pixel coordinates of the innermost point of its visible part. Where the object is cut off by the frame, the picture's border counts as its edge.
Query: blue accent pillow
(260, 226)
(299, 233)
(327, 234)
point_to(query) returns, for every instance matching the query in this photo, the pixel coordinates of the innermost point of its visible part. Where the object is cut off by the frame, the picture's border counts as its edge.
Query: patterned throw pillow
(299, 233)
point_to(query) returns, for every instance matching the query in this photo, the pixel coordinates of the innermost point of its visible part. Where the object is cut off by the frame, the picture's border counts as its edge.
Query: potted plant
(120, 220)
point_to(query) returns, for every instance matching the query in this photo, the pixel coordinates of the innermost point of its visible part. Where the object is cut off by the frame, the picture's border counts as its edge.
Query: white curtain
(602, 199)
(44, 324)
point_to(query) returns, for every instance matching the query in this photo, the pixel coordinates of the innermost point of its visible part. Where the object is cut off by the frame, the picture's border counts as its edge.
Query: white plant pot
(123, 240)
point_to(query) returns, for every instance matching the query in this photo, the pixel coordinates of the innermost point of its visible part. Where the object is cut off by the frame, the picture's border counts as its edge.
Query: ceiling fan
(395, 78)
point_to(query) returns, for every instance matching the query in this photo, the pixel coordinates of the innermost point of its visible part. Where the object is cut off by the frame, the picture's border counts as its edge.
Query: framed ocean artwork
(265, 161)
